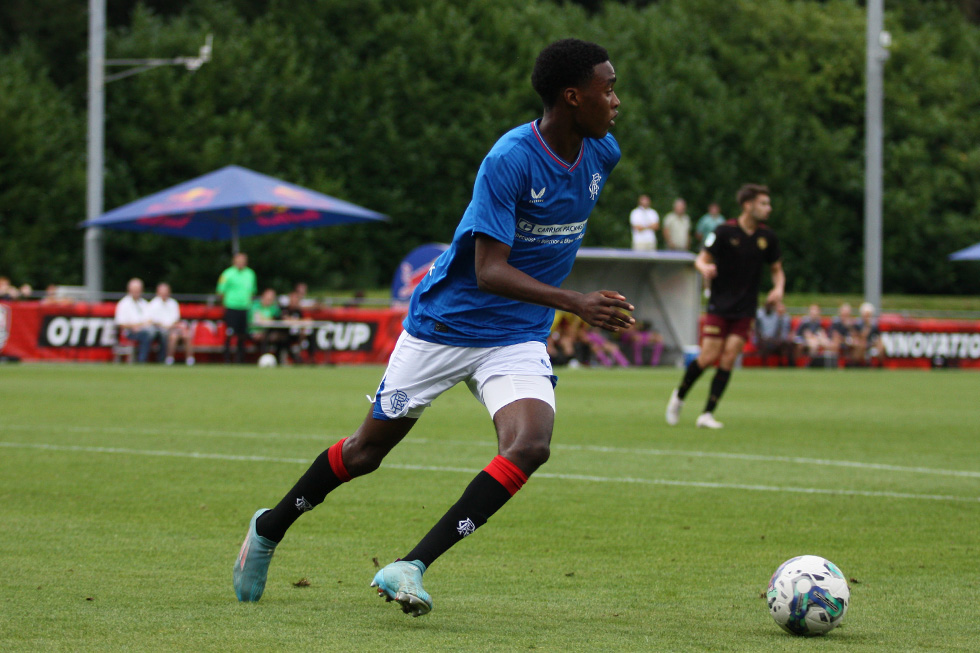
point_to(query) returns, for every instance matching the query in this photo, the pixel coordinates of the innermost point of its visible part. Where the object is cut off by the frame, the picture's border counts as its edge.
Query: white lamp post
(95, 169)
(878, 41)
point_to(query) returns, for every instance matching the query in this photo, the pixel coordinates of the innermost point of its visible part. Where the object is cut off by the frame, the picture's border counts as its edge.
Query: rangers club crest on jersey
(594, 186)
(4, 325)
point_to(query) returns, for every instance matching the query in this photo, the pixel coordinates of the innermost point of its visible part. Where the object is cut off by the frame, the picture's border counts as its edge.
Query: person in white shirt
(644, 223)
(165, 315)
(133, 320)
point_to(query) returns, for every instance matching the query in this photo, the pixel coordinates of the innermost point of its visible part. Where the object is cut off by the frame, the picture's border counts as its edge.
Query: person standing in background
(236, 287)
(677, 227)
(644, 223)
(708, 223)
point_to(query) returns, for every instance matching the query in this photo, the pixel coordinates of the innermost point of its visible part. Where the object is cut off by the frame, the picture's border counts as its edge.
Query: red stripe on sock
(507, 474)
(336, 457)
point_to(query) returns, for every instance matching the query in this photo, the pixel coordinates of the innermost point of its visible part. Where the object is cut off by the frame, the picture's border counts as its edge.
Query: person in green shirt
(708, 223)
(236, 287)
(263, 313)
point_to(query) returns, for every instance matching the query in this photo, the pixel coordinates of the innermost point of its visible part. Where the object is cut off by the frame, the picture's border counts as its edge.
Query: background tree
(392, 105)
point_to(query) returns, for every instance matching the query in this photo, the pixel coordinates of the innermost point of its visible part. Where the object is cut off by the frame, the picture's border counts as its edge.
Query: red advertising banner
(33, 331)
(911, 342)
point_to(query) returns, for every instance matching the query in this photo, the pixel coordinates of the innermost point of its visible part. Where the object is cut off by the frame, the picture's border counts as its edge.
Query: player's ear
(572, 96)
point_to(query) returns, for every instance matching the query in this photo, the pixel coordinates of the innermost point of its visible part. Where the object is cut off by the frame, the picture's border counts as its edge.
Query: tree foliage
(392, 105)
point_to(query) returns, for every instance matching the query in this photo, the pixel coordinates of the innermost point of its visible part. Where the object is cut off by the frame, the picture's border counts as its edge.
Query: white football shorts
(419, 371)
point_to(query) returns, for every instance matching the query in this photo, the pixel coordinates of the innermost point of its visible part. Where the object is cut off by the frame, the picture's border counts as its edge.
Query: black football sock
(718, 385)
(691, 374)
(326, 474)
(484, 496)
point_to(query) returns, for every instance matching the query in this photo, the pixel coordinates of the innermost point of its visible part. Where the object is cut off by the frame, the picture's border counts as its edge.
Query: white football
(808, 595)
(267, 360)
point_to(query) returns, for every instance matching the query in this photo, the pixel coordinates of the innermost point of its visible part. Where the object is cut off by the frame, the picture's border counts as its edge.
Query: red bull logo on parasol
(188, 199)
(168, 221)
(297, 195)
(273, 216)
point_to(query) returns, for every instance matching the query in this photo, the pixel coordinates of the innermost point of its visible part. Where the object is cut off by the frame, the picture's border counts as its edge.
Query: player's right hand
(709, 271)
(606, 309)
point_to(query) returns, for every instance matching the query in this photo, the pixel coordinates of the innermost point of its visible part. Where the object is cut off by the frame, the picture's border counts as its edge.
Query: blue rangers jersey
(527, 197)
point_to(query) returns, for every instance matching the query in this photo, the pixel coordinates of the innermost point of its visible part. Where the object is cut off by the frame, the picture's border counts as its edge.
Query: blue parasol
(971, 253)
(230, 203)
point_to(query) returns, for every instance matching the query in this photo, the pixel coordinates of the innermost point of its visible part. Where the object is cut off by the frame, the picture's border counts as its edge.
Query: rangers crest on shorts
(398, 400)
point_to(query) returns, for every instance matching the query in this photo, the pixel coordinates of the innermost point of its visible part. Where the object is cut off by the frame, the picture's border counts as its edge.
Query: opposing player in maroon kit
(731, 264)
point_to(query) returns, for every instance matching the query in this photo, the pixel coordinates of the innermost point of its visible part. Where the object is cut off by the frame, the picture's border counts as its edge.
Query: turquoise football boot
(401, 581)
(252, 565)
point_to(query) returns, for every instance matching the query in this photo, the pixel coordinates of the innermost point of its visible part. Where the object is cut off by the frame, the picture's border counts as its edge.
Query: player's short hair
(563, 64)
(749, 192)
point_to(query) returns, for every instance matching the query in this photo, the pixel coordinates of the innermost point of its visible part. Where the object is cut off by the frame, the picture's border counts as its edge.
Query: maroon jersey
(740, 258)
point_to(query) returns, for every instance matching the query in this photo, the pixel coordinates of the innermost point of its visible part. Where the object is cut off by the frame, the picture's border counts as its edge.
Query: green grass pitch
(125, 492)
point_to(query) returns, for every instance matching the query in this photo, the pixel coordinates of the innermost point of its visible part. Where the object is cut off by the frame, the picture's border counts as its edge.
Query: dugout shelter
(663, 286)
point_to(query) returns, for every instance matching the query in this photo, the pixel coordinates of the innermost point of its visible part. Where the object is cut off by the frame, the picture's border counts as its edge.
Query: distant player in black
(731, 264)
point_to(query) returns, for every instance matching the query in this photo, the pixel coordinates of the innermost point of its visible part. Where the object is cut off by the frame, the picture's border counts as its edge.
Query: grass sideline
(126, 490)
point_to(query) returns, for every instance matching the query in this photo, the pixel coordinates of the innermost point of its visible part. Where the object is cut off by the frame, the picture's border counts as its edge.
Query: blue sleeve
(499, 184)
(613, 152)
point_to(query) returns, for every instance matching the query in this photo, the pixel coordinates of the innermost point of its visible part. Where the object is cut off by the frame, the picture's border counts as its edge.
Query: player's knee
(706, 360)
(529, 453)
(538, 453)
(361, 458)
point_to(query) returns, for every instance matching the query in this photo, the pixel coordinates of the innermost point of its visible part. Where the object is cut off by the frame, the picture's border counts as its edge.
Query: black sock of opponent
(691, 374)
(326, 474)
(484, 496)
(718, 385)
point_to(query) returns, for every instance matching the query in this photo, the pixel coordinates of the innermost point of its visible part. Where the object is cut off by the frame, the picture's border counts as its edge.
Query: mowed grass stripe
(434, 468)
(328, 437)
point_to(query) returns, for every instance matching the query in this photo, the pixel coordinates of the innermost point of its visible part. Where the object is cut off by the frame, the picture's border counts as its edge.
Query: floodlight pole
(94, 161)
(95, 168)
(878, 41)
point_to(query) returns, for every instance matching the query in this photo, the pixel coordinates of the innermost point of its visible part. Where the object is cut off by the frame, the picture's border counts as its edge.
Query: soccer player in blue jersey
(482, 316)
